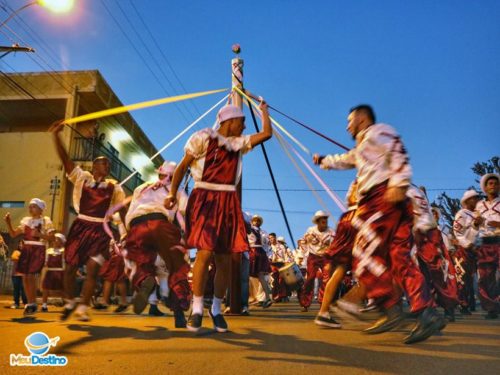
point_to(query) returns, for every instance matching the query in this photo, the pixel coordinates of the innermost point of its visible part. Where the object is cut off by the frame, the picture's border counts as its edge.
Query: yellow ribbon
(133, 107)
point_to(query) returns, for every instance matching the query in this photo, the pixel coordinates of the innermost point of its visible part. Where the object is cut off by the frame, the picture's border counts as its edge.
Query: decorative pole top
(236, 49)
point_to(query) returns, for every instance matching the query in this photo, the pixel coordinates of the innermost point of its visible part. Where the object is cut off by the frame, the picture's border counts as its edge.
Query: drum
(292, 276)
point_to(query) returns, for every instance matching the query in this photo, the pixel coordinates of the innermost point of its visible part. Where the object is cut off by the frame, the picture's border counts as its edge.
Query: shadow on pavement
(260, 346)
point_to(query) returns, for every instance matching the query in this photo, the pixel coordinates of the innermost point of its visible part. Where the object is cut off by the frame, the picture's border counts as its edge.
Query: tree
(450, 206)
(490, 166)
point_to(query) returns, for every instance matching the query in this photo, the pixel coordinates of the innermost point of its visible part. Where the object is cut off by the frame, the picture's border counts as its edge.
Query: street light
(56, 6)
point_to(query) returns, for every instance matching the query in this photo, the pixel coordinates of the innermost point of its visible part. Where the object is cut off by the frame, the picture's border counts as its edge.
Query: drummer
(259, 262)
(280, 256)
(317, 240)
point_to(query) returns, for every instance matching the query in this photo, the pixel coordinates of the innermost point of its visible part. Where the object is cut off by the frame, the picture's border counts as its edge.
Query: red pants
(437, 266)
(487, 265)
(113, 270)
(315, 263)
(464, 261)
(279, 287)
(148, 238)
(340, 250)
(382, 251)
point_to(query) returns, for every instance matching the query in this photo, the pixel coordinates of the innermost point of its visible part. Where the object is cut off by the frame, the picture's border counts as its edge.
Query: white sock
(197, 305)
(70, 304)
(44, 305)
(81, 309)
(216, 306)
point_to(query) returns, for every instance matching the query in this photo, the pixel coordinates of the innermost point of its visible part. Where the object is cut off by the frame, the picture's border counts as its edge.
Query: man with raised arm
(87, 243)
(214, 219)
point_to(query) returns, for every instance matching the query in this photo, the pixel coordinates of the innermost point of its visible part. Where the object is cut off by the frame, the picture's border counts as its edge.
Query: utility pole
(237, 100)
(55, 186)
(14, 48)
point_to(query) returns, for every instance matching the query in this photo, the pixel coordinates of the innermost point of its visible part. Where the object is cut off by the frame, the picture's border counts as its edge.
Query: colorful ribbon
(141, 105)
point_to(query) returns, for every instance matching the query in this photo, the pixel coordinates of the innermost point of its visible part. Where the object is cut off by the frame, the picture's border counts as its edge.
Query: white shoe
(81, 313)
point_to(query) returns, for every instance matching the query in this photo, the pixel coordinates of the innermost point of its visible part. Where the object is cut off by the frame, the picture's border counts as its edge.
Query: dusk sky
(429, 68)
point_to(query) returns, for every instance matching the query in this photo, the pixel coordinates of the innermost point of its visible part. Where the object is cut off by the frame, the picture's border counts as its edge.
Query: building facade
(29, 165)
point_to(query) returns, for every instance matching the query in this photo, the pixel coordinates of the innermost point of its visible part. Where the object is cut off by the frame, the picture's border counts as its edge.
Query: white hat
(485, 178)
(61, 237)
(167, 168)
(318, 215)
(468, 194)
(38, 202)
(229, 112)
(281, 239)
(258, 217)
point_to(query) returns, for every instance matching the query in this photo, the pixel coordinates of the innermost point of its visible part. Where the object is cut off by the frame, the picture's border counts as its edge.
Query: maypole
(235, 287)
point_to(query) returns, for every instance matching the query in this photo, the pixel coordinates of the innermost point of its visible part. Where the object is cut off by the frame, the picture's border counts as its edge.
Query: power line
(162, 53)
(139, 54)
(52, 55)
(158, 65)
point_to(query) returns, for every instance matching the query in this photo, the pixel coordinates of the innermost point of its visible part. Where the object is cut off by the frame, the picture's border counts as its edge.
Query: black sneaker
(392, 318)
(100, 306)
(267, 303)
(155, 311)
(194, 322)
(429, 322)
(30, 310)
(45, 309)
(327, 322)
(491, 315)
(464, 310)
(67, 312)
(450, 315)
(140, 299)
(121, 308)
(220, 324)
(180, 319)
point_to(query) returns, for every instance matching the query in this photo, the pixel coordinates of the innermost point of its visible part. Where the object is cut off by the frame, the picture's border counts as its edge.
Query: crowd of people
(386, 251)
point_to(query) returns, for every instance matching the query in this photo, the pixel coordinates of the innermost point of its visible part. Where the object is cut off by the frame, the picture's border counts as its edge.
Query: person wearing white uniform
(154, 230)
(260, 266)
(279, 257)
(488, 222)
(432, 254)
(317, 240)
(383, 219)
(37, 231)
(464, 256)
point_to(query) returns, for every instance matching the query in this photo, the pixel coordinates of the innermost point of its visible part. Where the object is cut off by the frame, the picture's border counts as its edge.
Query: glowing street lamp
(56, 6)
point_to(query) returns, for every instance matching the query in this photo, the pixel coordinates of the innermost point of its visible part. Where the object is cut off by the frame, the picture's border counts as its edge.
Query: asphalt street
(279, 340)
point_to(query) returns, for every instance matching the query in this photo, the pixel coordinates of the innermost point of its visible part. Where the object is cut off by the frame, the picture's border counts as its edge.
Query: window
(11, 204)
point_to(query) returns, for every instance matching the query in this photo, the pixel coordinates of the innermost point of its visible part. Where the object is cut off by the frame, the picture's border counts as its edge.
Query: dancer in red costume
(37, 231)
(465, 254)
(488, 254)
(214, 219)
(383, 220)
(154, 230)
(316, 240)
(88, 243)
